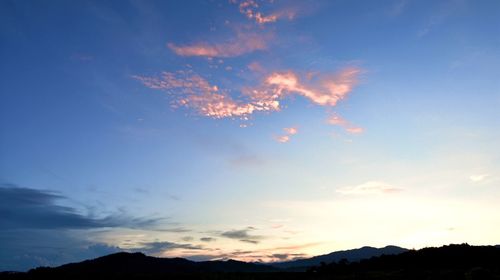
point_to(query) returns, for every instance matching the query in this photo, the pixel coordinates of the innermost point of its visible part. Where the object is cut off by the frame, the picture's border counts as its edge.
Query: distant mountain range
(374, 263)
(136, 263)
(350, 255)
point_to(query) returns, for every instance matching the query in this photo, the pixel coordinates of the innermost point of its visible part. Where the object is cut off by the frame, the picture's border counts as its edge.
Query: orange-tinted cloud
(283, 138)
(355, 130)
(193, 91)
(256, 67)
(189, 89)
(327, 92)
(244, 42)
(250, 9)
(289, 131)
(335, 119)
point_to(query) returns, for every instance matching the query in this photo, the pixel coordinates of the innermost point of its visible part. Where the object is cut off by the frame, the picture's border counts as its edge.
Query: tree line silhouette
(448, 262)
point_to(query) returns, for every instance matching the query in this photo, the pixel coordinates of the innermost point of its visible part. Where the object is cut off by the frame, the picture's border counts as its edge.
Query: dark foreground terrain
(447, 262)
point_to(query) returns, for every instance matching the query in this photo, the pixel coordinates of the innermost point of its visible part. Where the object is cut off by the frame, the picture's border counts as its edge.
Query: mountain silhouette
(138, 263)
(448, 262)
(349, 255)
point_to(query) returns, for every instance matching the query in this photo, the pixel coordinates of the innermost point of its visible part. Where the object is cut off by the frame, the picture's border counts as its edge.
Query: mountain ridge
(350, 255)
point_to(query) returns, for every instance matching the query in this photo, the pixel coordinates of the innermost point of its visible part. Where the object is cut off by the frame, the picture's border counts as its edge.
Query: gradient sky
(252, 130)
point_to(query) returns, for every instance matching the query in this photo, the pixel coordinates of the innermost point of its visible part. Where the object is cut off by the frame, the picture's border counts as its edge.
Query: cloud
(23, 249)
(368, 188)
(355, 130)
(208, 239)
(249, 8)
(242, 235)
(206, 99)
(283, 138)
(335, 119)
(243, 43)
(25, 208)
(287, 257)
(289, 131)
(329, 91)
(324, 90)
(256, 67)
(157, 248)
(190, 90)
(398, 7)
(441, 12)
(478, 177)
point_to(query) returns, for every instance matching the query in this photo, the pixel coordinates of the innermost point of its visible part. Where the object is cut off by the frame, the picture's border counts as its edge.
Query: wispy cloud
(335, 119)
(478, 177)
(369, 188)
(325, 90)
(26, 208)
(208, 239)
(188, 89)
(289, 131)
(206, 99)
(441, 13)
(243, 43)
(250, 8)
(157, 248)
(242, 235)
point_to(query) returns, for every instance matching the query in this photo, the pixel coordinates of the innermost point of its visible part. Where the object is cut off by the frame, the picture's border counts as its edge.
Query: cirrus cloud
(243, 43)
(369, 188)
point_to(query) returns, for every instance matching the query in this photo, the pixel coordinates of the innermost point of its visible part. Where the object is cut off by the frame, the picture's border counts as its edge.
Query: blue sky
(254, 130)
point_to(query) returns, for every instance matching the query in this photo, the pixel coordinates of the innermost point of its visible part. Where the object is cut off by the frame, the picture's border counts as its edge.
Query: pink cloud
(335, 119)
(283, 138)
(190, 90)
(355, 130)
(327, 93)
(193, 91)
(326, 90)
(244, 42)
(256, 67)
(289, 131)
(249, 8)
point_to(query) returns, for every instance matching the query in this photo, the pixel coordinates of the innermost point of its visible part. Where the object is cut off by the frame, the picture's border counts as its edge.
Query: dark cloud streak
(26, 208)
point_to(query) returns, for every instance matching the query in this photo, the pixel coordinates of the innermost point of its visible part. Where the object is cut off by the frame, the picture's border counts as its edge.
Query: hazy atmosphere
(243, 129)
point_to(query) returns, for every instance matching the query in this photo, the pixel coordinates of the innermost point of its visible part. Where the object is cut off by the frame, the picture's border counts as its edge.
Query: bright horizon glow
(244, 129)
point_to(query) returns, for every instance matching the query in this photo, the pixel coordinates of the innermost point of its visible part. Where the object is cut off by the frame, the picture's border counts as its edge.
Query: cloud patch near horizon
(242, 235)
(157, 248)
(369, 188)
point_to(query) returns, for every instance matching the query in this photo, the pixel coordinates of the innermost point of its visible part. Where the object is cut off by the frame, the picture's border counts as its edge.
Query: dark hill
(447, 262)
(350, 255)
(137, 264)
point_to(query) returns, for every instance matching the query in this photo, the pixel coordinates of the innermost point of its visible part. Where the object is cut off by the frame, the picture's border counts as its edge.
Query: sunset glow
(256, 130)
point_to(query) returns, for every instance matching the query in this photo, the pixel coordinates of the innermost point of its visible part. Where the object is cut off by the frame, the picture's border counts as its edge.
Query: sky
(255, 130)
